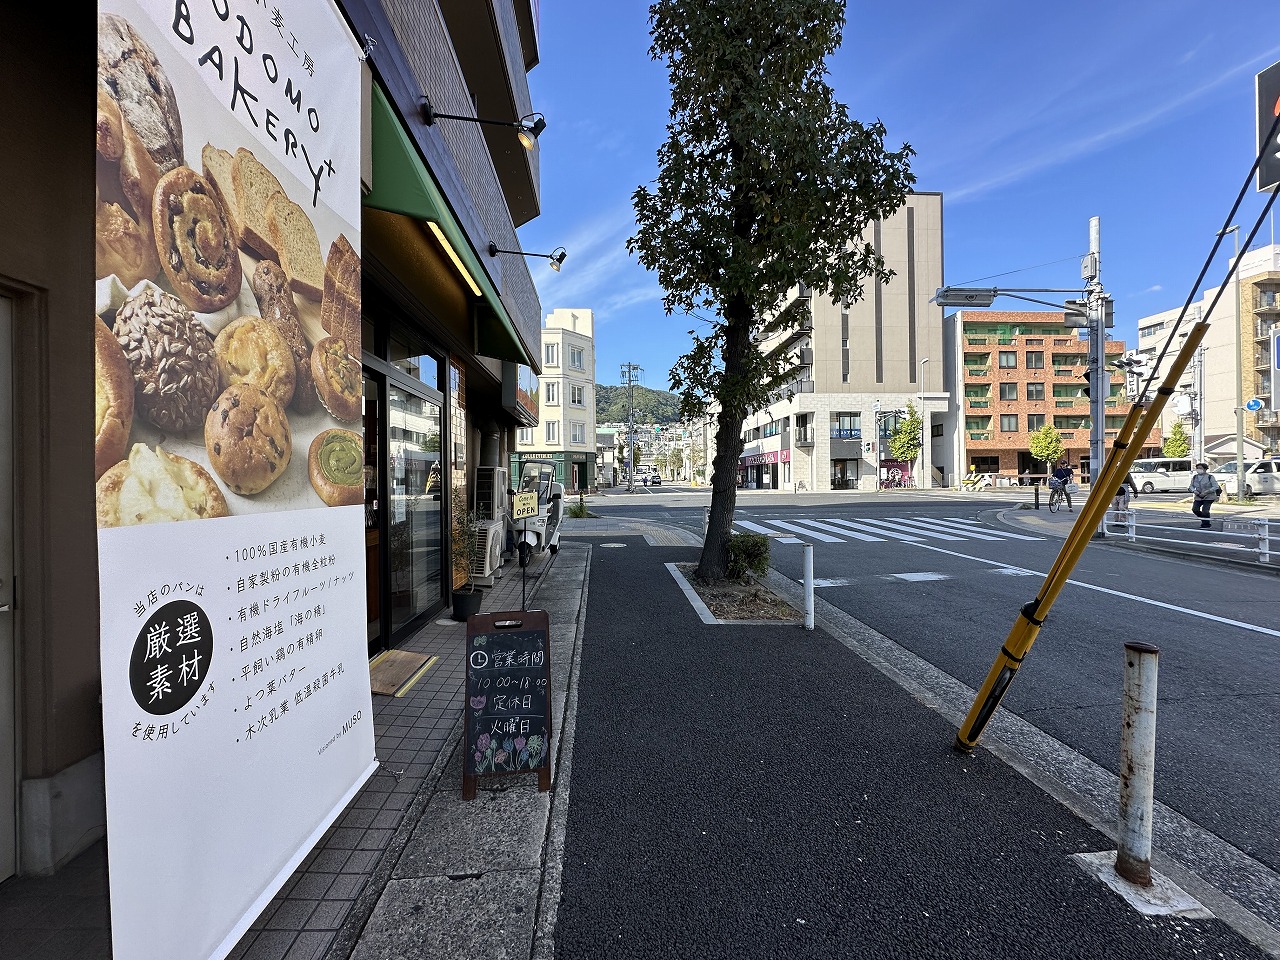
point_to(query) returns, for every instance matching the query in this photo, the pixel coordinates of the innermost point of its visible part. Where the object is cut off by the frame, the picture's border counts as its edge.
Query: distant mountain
(652, 406)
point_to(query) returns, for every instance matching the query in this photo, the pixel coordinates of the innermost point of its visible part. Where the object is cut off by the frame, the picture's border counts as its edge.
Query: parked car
(1260, 476)
(1163, 474)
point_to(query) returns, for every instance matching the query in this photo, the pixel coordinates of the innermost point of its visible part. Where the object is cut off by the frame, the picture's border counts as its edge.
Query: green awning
(402, 184)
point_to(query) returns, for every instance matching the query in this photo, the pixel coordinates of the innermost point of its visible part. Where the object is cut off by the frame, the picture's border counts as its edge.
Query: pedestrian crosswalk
(877, 530)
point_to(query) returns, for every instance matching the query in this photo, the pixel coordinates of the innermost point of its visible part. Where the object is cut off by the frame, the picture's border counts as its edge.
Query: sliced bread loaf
(294, 237)
(218, 167)
(254, 187)
(340, 309)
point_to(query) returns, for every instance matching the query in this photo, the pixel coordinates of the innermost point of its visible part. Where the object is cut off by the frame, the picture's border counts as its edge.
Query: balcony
(975, 341)
(802, 386)
(977, 371)
(803, 437)
(1062, 372)
(1268, 302)
(979, 404)
(846, 433)
(979, 434)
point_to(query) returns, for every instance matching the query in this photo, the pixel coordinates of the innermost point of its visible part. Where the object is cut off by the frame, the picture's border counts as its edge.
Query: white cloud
(1156, 288)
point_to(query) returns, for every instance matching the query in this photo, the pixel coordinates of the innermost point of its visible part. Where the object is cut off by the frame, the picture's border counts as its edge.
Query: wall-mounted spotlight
(556, 256)
(527, 127)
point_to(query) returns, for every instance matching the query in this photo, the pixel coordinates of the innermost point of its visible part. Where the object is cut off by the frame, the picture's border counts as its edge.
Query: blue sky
(1030, 118)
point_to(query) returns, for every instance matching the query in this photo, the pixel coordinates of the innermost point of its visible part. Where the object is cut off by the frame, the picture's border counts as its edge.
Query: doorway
(8, 688)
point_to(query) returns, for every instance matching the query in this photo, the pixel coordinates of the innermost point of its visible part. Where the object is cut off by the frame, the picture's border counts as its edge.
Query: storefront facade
(443, 327)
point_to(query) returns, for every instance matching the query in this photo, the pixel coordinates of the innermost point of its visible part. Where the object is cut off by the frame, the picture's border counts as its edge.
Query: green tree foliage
(905, 444)
(764, 182)
(651, 406)
(1177, 443)
(1046, 444)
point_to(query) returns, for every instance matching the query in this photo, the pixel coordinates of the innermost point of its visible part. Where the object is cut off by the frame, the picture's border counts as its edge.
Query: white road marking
(926, 523)
(962, 524)
(917, 577)
(867, 525)
(796, 528)
(830, 525)
(1252, 627)
(913, 528)
(788, 540)
(754, 527)
(835, 582)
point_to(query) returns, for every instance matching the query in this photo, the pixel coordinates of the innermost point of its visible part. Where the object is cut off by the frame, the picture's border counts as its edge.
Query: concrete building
(442, 330)
(860, 362)
(1017, 371)
(567, 399)
(1206, 401)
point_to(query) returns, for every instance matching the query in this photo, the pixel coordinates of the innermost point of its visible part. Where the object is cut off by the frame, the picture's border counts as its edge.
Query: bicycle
(1057, 496)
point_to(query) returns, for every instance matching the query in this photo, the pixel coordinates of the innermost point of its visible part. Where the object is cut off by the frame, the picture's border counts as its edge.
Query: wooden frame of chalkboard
(506, 727)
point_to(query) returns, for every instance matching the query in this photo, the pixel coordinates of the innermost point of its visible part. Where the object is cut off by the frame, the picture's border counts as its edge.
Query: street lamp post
(1237, 319)
(924, 426)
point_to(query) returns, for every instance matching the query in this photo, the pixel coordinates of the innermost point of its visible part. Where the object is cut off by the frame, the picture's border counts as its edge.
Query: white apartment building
(861, 362)
(566, 432)
(1207, 396)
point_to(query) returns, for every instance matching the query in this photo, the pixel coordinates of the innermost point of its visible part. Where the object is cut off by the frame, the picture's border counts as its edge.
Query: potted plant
(466, 548)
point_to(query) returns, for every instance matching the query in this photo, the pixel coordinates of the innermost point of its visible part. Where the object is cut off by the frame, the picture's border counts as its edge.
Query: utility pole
(1099, 376)
(630, 376)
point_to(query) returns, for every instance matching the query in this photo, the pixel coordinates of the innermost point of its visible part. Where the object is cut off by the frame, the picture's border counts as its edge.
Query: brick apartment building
(1019, 371)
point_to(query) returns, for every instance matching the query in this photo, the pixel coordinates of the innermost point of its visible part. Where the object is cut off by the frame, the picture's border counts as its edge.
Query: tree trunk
(714, 562)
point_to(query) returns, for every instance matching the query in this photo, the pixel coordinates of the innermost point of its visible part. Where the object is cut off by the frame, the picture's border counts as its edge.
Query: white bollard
(1264, 540)
(1137, 762)
(808, 586)
(1133, 525)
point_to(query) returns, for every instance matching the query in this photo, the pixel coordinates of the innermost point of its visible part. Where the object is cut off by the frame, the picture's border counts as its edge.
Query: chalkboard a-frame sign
(508, 698)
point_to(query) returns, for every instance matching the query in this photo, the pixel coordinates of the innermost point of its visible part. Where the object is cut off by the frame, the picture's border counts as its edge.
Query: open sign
(524, 505)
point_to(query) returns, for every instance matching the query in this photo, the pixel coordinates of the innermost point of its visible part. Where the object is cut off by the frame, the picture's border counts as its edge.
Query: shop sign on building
(773, 456)
(1268, 110)
(229, 458)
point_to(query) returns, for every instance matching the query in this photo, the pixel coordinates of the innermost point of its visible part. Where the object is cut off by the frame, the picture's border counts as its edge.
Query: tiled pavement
(324, 904)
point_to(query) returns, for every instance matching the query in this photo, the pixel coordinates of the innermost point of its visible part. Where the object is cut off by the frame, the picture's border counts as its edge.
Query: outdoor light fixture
(556, 256)
(527, 127)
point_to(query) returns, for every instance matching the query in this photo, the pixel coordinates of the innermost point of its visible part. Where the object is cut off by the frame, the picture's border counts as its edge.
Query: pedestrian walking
(1061, 480)
(1204, 487)
(1128, 489)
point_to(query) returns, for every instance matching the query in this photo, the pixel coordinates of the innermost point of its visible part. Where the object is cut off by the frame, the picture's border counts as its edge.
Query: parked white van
(1260, 476)
(1162, 474)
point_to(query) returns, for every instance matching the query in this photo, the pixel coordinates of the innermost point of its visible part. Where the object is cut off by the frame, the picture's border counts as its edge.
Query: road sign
(1268, 109)
(1253, 404)
(524, 505)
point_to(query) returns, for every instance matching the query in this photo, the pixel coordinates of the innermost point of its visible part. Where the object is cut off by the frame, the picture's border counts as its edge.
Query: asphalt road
(741, 793)
(942, 578)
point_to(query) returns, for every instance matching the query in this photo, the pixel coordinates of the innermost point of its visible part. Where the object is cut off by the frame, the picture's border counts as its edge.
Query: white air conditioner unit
(492, 486)
(488, 557)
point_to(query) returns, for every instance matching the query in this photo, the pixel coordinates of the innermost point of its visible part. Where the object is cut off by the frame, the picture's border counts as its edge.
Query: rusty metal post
(808, 586)
(1037, 494)
(1137, 762)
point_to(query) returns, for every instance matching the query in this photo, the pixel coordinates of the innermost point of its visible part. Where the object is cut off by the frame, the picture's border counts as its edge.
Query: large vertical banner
(236, 704)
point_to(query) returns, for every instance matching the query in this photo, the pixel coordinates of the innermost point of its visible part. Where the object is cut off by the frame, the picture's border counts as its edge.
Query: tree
(1177, 443)
(1046, 444)
(905, 444)
(764, 183)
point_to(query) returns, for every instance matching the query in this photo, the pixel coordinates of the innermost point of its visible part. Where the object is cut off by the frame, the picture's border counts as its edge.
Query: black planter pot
(466, 603)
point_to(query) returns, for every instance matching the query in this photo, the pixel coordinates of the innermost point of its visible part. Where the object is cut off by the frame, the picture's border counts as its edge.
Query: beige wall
(46, 264)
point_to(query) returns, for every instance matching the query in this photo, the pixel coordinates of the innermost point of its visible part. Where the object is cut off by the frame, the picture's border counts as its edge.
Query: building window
(1034, 421)
(578, 395)
(1008, 359)
(1035, 391)
(1008, 423)
(846, 426)
(553, 431)
(935, 430)
(524, 435)
(551, 355)
(1035, 359)
(575, 358)
(1008, 391)
(772, 428)
(577, 432)
(553, 393)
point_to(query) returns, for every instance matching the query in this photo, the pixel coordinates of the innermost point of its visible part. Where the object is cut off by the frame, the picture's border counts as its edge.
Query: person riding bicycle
(1061, 480)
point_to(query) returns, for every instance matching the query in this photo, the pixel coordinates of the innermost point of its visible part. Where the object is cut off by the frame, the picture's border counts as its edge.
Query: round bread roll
(155, 486)
(336, 465)
(337, 377)
(113, 400)
(252, 350)
(172, 359)
(247, 438)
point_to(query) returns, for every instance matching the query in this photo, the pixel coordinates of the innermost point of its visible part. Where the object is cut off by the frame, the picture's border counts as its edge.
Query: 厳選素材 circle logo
(171, 657)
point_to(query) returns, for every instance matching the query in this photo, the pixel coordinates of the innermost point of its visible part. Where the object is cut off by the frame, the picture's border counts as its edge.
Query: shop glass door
(415, 562)
(8, 690)
(373, 499)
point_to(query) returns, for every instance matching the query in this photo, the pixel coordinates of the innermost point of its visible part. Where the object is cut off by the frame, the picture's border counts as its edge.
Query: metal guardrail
(1255, 533)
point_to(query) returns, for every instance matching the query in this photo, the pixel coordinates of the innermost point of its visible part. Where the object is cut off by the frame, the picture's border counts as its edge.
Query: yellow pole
(1137, 427)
